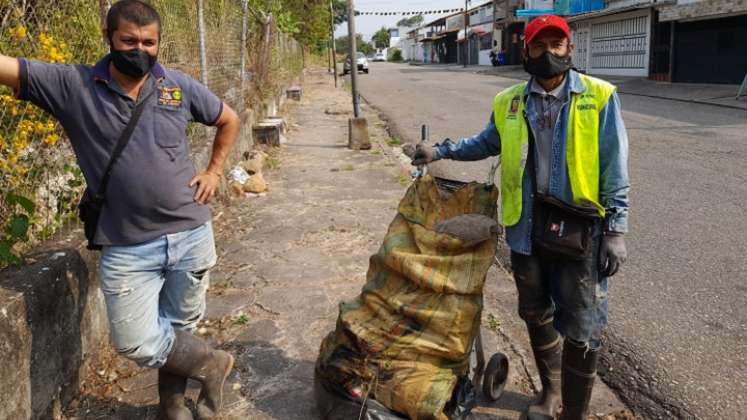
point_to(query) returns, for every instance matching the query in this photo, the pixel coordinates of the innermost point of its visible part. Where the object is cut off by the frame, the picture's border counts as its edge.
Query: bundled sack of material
(404, 343)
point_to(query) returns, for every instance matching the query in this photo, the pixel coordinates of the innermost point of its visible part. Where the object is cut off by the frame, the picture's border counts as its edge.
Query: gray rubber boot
(171, 390)
(191, 357)
(547, 347)
(579, 373)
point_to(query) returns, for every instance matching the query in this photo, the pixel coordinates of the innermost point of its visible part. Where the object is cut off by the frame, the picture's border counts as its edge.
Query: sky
(368, 25)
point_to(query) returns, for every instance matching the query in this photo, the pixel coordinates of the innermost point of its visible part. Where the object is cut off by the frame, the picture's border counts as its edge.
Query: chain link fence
(246, 60)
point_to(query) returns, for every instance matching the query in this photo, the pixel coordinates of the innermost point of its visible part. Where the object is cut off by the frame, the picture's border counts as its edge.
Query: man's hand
(612, 254)
(207, 184)
(424, 155)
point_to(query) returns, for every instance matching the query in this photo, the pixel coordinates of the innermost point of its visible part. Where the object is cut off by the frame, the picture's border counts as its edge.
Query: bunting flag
(408, 13)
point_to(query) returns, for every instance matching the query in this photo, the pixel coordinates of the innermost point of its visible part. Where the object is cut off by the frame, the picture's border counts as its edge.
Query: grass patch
(403, 180)
(242, 319)
(348, 168)
(272, 162)
(394, 142)
(493, 324)
(376, 152)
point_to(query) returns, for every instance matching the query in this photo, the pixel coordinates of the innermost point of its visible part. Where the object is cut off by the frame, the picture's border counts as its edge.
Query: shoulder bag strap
(124, 138)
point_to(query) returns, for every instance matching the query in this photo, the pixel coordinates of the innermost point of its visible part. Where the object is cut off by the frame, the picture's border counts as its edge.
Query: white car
(379, 57)
(362, 62)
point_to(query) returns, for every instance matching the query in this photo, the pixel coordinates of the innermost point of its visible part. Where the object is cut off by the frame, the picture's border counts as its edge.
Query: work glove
(424, 155)
(612, 253)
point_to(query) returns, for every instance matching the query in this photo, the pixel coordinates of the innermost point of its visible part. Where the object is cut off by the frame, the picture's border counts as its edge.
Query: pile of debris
(246, 177)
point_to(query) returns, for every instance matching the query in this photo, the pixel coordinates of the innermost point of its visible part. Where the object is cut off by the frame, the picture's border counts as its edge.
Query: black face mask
(134, 63)
(547, 65)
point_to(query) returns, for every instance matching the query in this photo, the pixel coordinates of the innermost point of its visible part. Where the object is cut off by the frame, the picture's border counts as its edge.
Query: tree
(343, 43)
(365, 47)
(396, 55)
(411, 22)
(381, 38)
(341, 11)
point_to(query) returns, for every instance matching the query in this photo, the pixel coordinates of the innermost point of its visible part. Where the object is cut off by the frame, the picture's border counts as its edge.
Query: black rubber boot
(547, 347)
(193, 358)
(579, 373)
(171, 390)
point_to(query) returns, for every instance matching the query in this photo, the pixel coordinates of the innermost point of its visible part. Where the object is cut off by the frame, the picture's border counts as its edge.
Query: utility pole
(353, 59)
(465, 56)
(332, 37)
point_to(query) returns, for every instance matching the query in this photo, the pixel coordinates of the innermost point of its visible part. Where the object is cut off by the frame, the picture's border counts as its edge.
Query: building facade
(615, 40)
(707, 41)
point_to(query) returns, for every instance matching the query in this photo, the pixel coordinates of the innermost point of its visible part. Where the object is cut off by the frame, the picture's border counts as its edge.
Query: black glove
(424, 155)
(612, 253)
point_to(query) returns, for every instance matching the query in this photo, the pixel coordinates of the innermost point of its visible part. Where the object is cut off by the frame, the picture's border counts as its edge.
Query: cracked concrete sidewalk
(286, 259)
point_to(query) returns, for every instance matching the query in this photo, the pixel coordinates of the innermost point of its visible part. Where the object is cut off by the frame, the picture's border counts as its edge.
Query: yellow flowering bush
(39, 181)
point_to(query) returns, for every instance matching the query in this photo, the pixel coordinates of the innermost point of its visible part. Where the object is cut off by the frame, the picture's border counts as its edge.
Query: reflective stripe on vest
(582, 144)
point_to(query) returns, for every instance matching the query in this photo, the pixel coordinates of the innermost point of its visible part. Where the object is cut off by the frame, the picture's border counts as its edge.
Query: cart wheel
(495, 377)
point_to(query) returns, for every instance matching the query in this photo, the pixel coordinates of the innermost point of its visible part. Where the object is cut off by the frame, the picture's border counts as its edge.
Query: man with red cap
(564, 203)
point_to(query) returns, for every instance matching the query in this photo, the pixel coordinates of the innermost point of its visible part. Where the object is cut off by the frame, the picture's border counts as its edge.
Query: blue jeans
(572, 293)
(154, 287)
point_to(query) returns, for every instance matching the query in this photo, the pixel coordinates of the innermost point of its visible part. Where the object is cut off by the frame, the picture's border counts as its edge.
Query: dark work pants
(571, 292)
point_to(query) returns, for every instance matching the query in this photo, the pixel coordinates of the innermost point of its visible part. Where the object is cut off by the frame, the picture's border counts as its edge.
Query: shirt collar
(101, 70)
(572, 82)
(558, 92)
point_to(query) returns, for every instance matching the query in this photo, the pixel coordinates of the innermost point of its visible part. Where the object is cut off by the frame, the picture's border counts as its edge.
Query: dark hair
(134, 11)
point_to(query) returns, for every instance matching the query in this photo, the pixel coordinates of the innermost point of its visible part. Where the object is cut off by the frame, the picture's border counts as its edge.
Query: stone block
(358, 138)
(268, 132)
(294, 92)
(52, 322)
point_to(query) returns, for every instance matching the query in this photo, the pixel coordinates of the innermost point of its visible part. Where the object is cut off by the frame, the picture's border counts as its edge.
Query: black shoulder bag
(92, 203)
(562, 230)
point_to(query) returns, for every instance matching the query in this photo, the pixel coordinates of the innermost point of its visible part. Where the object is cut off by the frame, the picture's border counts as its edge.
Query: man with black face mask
(154, 225)
(564, 190)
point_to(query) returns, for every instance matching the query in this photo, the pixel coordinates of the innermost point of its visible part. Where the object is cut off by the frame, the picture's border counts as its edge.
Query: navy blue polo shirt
(148, 193)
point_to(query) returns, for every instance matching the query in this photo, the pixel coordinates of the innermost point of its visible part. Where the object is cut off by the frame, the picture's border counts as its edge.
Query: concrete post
(353, 60)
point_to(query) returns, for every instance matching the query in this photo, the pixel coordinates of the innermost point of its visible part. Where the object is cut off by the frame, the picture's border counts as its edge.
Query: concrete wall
(52, 322)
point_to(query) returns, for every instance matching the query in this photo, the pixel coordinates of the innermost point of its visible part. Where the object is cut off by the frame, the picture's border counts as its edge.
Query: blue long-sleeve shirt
(614, 183)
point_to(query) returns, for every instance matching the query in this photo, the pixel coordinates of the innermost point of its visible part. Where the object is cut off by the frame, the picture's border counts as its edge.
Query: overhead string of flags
(425, 12)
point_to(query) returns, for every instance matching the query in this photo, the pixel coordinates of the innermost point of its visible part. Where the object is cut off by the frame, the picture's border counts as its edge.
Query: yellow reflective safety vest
(582, 144)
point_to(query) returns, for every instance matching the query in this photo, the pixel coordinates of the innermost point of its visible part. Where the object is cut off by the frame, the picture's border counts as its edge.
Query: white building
(615, 40)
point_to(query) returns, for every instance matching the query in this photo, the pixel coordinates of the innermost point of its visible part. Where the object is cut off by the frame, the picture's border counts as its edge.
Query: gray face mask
(547, 65)
(134, 63)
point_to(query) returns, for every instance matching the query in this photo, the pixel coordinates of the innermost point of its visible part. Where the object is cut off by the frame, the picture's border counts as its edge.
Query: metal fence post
(244, 29)
(201, 34)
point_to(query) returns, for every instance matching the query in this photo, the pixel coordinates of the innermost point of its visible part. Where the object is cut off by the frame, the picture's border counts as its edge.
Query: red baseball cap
(545, 22)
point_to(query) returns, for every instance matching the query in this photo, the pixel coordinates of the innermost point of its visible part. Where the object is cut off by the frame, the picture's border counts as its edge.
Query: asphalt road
(677, 340)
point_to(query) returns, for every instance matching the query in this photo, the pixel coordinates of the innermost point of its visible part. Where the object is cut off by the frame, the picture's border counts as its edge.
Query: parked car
(362, 64)
(379, 57)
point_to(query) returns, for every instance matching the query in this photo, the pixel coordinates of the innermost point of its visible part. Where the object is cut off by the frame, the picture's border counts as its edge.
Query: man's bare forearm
(228, 129)
(10, 73)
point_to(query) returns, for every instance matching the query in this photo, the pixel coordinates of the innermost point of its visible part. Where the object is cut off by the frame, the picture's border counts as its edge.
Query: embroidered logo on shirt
(170, 96)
